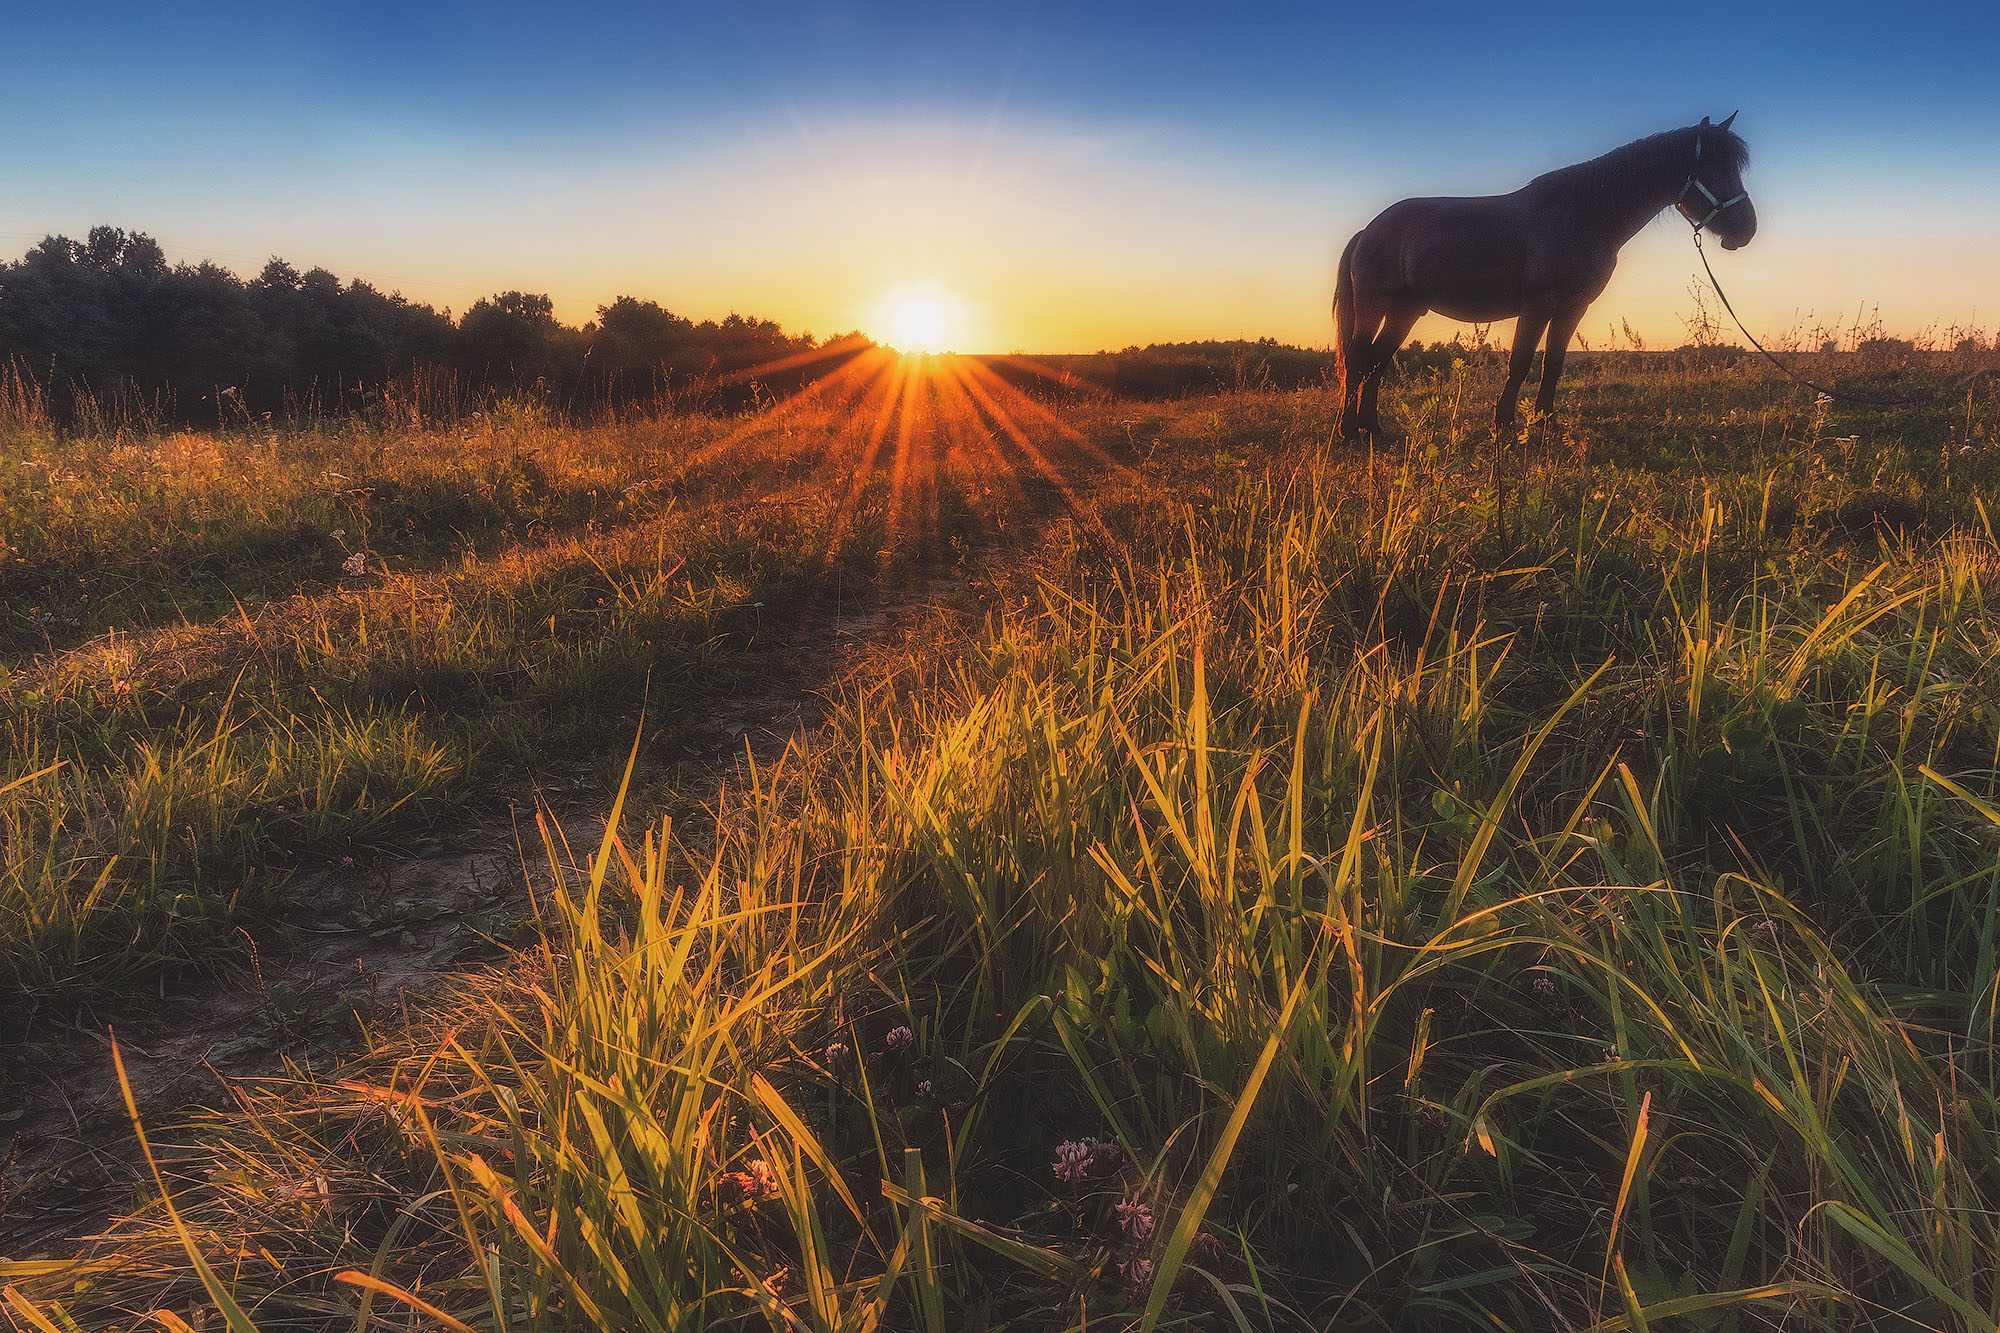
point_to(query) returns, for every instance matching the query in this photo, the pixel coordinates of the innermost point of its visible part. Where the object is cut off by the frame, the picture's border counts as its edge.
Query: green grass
(1390, 905)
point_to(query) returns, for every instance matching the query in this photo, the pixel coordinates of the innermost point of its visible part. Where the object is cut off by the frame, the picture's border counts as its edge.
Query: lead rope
(1782, 367)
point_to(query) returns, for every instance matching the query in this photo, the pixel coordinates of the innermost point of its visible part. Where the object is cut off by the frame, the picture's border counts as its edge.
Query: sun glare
(918, 319)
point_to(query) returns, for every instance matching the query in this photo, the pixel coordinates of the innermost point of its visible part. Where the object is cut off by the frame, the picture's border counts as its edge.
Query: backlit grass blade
(1893, 1249)
(25, 1309)
(1633, 1155)
(369, 1282)
(1676, 1306)
(218, 1291)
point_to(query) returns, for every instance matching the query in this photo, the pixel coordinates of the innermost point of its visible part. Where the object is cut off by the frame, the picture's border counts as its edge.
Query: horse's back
(1453, 253)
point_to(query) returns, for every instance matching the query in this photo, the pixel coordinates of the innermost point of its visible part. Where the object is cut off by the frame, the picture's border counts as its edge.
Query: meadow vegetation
(232, 656)
(1315, 889)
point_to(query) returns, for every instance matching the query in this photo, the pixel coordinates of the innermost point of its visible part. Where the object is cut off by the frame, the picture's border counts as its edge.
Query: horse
(1541, 254)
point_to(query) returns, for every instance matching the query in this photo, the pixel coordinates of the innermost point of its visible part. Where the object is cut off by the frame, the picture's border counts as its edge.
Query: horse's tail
(1343, 311)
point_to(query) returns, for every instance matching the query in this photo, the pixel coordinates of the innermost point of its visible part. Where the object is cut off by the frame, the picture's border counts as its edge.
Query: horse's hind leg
(1368, 314)
(1396, 326)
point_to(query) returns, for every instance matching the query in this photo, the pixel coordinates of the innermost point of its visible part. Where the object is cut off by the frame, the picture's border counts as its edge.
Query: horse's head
(1714, 196)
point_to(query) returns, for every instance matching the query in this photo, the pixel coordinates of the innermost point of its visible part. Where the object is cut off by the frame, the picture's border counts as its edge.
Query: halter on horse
(1541, 254)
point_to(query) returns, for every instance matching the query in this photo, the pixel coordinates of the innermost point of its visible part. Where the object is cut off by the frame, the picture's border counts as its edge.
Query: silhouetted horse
(1542, 253)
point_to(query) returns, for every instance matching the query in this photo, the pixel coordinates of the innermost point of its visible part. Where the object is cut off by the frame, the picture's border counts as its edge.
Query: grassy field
(1309, 889)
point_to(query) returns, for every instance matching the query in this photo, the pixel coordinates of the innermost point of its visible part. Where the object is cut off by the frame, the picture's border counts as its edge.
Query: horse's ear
(1725, 124)
(1704, 121)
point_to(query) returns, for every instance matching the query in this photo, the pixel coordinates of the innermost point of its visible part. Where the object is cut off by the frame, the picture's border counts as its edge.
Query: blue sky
(1069, 176)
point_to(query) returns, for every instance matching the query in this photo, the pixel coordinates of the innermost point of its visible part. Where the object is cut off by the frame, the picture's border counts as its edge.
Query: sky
(1057, 177)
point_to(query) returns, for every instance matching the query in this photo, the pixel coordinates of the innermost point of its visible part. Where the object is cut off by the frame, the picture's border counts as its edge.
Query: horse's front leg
(1527, 333)
(1561, 329)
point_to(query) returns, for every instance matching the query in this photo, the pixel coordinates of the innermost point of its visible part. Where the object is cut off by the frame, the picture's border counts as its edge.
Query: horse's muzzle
(1737, 226)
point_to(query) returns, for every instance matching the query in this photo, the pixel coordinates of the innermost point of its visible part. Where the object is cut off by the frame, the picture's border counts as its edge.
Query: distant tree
(278, 276)
(109, 317)
(514, 335)
(636, 337)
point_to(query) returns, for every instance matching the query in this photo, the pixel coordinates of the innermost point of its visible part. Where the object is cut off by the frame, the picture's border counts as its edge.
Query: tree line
(106, 323)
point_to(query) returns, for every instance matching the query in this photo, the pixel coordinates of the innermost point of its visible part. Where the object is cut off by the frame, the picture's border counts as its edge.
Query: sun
(916, 324)
(917, 319)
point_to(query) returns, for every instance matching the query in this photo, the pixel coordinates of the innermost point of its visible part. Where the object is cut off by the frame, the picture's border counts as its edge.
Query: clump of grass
(106, 878)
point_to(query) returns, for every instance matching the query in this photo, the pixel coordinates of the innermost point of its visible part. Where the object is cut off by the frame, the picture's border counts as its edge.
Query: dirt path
(363, 943)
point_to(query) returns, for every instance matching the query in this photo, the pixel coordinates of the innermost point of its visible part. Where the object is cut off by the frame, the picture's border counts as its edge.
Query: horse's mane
(1668, 153)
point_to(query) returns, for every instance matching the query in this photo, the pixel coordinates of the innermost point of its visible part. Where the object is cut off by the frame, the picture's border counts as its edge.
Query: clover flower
(1075, 1158)
(749, 1186)
(1137, 1270)
(1135, 1219)
(897, 1039)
